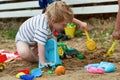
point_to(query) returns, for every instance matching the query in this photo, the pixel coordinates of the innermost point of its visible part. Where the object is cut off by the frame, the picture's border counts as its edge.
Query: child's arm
(83, 25)
(41, 54)
(116, 33)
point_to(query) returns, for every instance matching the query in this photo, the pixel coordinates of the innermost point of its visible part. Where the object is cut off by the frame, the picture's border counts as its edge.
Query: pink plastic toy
(95, 70)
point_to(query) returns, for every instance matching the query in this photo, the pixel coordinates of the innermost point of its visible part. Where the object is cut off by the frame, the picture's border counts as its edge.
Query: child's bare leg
(25, 52)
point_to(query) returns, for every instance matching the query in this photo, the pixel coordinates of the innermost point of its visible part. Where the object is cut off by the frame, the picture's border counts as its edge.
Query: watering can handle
(88, 37)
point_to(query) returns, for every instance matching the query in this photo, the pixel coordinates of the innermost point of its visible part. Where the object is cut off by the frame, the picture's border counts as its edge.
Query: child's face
(59, 26)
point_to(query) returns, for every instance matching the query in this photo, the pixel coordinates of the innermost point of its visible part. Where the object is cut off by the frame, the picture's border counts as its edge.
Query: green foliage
(8, 33)
(78, 33)
(103, 36)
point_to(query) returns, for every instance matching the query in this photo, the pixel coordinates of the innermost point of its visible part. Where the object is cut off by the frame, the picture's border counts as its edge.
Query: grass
(78, 33)
(8, 33)
(103, 31)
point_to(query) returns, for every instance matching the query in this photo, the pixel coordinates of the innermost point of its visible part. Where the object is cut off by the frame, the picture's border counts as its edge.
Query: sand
(74, 67)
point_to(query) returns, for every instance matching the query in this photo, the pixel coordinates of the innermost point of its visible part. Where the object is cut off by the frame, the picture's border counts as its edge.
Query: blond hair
(58, 11)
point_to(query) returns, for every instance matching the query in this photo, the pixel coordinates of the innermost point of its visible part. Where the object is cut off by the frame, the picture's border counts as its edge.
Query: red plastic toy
(25, 71)
(56, 32)
(3, 58)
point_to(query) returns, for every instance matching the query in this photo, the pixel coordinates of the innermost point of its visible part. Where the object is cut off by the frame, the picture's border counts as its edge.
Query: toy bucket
(51, 54)
(70, 30)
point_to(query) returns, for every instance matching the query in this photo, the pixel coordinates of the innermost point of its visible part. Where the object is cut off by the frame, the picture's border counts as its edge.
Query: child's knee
(23, 49)
(27, 55)
(24, 54)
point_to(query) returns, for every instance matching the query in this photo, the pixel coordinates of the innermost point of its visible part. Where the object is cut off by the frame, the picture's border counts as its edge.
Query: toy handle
(114, 43)
(87, 35)
(110, 51)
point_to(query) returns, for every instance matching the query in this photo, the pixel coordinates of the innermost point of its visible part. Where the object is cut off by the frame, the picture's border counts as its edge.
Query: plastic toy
(73, 53)
(36, 72)
(25, 71)
(62, 47)
(80, 56)
(95, 70)
(50, 72)
(56, 32)
(108, 67)
(51, 54)
(60, 51)
(70, 30)
(2, 67)
(63, 50)
(60, 70)
(91, 45)
(111, 49)
(60, 35)
(9, 55)
(26, 77)
(3, 58)
(19, 74)
(92, 65)
(71, 25)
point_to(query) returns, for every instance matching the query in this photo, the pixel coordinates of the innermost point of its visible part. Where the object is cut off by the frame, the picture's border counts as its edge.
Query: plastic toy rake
(111, 49)
(91, 45)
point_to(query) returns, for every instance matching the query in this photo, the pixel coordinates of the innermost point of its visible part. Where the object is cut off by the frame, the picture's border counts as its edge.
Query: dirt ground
(74, 67)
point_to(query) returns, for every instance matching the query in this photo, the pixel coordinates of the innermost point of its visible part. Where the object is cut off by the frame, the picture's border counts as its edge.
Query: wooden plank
(19, 5)
(77, 10)
(22, 13)
(74, 2)
(4, 0)
(96, 9)
(34, 4)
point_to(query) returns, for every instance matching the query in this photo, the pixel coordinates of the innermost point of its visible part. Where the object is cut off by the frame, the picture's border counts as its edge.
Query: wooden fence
(11, 9)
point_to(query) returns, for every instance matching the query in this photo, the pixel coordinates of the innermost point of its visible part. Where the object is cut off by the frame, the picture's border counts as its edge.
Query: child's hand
(116, 34)
(83, 26)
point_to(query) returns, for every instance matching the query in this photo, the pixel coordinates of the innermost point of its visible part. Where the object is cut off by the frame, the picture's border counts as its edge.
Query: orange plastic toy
(60, 70)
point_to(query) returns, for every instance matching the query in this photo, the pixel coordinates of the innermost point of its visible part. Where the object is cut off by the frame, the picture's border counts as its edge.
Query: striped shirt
(34, 30)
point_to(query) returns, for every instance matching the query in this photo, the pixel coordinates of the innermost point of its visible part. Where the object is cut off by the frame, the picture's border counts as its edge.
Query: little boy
(35, 31)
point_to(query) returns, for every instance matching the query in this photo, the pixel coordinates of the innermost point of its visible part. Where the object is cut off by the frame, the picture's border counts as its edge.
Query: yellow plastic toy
(70, 30)
(2, 66)
(60, 51)
(111, 49)
(19, 74)
(91, 45)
